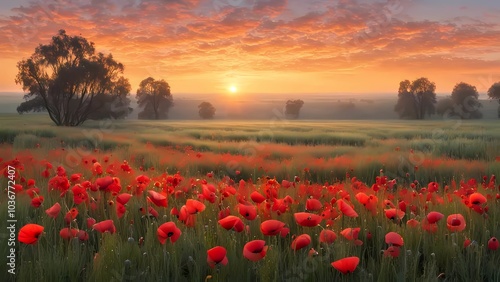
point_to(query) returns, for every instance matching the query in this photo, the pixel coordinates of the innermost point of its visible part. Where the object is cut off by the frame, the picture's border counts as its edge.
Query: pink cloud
(181, 37)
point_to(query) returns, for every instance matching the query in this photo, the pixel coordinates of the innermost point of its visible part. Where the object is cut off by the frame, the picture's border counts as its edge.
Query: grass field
(408, 168)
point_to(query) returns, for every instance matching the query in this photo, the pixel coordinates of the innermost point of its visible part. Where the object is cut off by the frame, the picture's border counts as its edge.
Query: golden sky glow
(270, 46)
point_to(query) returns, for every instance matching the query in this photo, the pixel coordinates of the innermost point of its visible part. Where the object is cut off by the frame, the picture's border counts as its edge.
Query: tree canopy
(72, 83)
(494, 91)
(292, 108)
(465, 97)
(463, 103)
(416, 99)
(206, 110)
(155, 98)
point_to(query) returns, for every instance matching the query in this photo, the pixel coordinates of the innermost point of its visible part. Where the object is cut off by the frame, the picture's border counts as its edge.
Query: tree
(416, 99)
(69, 80)
(155, 98)
(206, 110)
(465, 100)
(405, 106)
(292, 108)
(113, 106)
(494, 93)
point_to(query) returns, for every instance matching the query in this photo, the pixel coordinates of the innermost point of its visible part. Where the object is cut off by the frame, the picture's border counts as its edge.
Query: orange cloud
(201, 40)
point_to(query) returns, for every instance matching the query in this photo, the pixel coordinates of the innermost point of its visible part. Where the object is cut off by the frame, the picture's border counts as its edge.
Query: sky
(270, 46)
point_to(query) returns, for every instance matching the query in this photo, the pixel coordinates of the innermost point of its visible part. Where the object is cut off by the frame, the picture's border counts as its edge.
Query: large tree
(206, 110)
(466, 103)
(494, 93)
(292, 108)
(416, 99)
(72, 82)
(155, 98)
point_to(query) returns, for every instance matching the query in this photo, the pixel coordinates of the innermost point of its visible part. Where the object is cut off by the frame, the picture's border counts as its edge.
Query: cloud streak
(176, 39)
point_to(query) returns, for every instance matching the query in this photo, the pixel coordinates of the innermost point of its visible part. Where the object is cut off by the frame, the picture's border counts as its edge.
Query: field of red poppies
(254, 201)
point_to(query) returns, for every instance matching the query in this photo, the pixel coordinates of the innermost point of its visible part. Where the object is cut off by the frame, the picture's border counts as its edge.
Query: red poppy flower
(232, 222)
(216, 255)
(82, 235)
(71, 215)
(271, 227)
(37, 201)
(413, 223)
(157, 198)
(346, 209)
(257, 197)
(467, 242)
(493, 244)
(68, 233)
(31, 182)
(105, 226)
(394, 214)
(455, 222)
(90, 222)
(120, 210)
(351, 233)
(18, 188)
(346, 265)
(477, 199)
(123, 198)
(284, 231)
(32, 192)
(54, 210)
(142, 179)
(194, 206)
(312, 253)
(79, 194)
(247, 211)
(392, 251)
(102, 183)
(183, 214)
(301, 242)
(307, 219)
(434, 217)
(96, 168)
(313, 205)
(29, 233)
(75, 177)
(327, 236)
(255, 250)
(369, 202)
(168, 230)
(394, 239)
(115, 187)
(208, 192)
(60, 183)
(432, 187)
(429, 227)
(224, 213)
(389, 204)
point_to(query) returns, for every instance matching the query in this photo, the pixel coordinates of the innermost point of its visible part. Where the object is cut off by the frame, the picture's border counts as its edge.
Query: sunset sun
(233, 89)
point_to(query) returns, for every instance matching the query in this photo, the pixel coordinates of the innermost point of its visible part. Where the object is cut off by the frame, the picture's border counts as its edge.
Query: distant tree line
(417, 99)
(73, 83)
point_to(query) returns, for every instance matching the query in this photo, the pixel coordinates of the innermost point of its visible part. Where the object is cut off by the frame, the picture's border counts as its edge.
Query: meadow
(385, 192)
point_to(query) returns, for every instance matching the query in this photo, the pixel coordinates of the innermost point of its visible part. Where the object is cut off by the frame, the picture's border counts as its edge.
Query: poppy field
(255, 200)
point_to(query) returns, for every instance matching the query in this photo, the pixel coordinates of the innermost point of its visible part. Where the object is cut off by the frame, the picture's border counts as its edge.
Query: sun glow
(233, 89)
